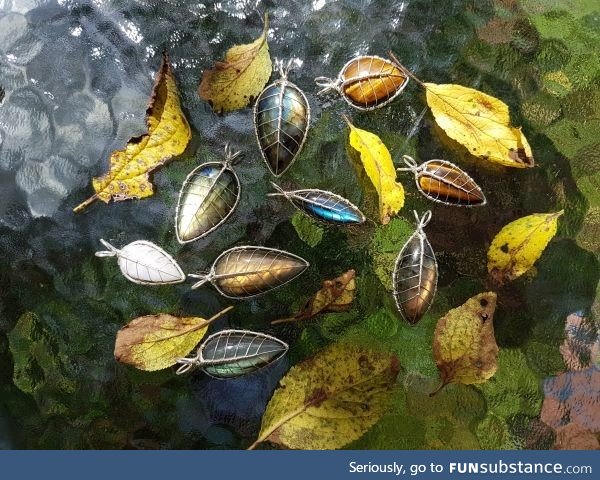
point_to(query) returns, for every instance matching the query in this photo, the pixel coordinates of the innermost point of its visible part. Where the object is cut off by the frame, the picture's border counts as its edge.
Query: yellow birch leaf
(335, 295)
(380, 169)
(168, 136)
(239, 79)
(154, 342)
(331, 399)
(519, 244)
(464, 347)
(480, 122)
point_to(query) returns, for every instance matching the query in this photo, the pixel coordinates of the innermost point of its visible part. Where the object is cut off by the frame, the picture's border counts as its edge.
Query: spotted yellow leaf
(464, 346)
(154, 342)
(379, 167)
(235, 82)
(519, 244)
(330, 400)
(168, 136)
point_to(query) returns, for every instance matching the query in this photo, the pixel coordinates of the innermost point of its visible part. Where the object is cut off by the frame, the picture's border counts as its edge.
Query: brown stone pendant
(366, 82)
(444, 182)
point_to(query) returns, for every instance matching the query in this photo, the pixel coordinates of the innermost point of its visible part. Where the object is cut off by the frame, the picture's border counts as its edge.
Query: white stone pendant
(145, 263)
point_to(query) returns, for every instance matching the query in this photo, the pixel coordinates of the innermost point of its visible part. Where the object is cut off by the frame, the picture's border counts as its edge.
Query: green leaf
(309, 231)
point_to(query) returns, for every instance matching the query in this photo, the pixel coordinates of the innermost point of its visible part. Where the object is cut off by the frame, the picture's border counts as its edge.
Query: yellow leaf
(480, 122)
(235, 82)
(379, 167)
(154, 342)
(464, 347)
(335, 295)
(330, 400)
(168, 136)
(519, 244)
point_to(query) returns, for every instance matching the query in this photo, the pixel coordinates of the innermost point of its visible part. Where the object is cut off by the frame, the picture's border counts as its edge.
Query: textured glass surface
(77, 75)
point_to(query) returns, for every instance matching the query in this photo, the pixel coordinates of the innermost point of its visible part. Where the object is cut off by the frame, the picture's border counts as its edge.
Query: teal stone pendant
(281, 121)
(322, 205)
(207, 198)
(232, 353)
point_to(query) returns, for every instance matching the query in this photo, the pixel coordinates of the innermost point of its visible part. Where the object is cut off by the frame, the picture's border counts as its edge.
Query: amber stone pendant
(366, 82)
(415, 274)
(232, 353)
(444, 182)
(281, 120)
(245, 272)
(207, 198)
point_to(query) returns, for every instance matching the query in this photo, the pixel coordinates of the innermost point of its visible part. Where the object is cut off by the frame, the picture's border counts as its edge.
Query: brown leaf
(464, 346)
(336, 295)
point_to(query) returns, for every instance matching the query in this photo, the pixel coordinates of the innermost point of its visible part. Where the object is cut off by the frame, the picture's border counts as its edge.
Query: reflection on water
(77, 75)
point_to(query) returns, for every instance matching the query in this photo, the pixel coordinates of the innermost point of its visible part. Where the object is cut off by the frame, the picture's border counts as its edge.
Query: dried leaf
(519, 244)
(379, 166)
(168, 136)
(235, 82)
(480, 122)
(154, 342)
(464, 347)
(330, 400)
(336, 295)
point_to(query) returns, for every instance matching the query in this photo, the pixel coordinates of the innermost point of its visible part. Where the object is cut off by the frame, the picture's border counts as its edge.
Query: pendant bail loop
(327, 85)
(280, 191)
(202, 277)
(189, 364)
(284, 68)
(424, 220)
(231, 155)
(111, 252)
(411, 163)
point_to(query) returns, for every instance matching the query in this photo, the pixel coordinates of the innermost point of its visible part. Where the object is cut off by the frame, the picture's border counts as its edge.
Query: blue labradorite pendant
(232, 353)
(207, 198)
(322, 205)
(281, 120)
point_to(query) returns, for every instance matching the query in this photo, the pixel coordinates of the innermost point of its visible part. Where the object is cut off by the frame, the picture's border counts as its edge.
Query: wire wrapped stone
(366, 82)
(207, 198)
(281, 121)
(415, 274)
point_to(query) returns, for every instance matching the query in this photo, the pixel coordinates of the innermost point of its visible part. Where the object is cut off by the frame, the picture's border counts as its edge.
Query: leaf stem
(438, 389)
(284, 320)
(220, 314)
(404, 69)
(345, 117)
(83, 205)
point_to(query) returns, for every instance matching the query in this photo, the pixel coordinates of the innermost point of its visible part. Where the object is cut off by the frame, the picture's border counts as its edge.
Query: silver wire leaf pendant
(145, 263)
(245, 272)
(366, 82)
(444, 182)
(281, 120)
(232, 353)
(322, 205)
(207, 198)
(415, 274)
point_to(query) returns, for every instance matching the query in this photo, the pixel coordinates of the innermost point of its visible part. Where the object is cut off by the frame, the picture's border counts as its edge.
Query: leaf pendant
(232, 353)
(281, 121)
(245, 272)
(322, 205)
(145, 263)
(366, 82)
(415, 274)
(444, 182)
(207, 198)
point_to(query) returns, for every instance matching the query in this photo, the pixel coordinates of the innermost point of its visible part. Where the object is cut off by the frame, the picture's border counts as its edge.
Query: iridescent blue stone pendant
(232, 353)
(281, 121)
(322, 205)
(207, 198)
